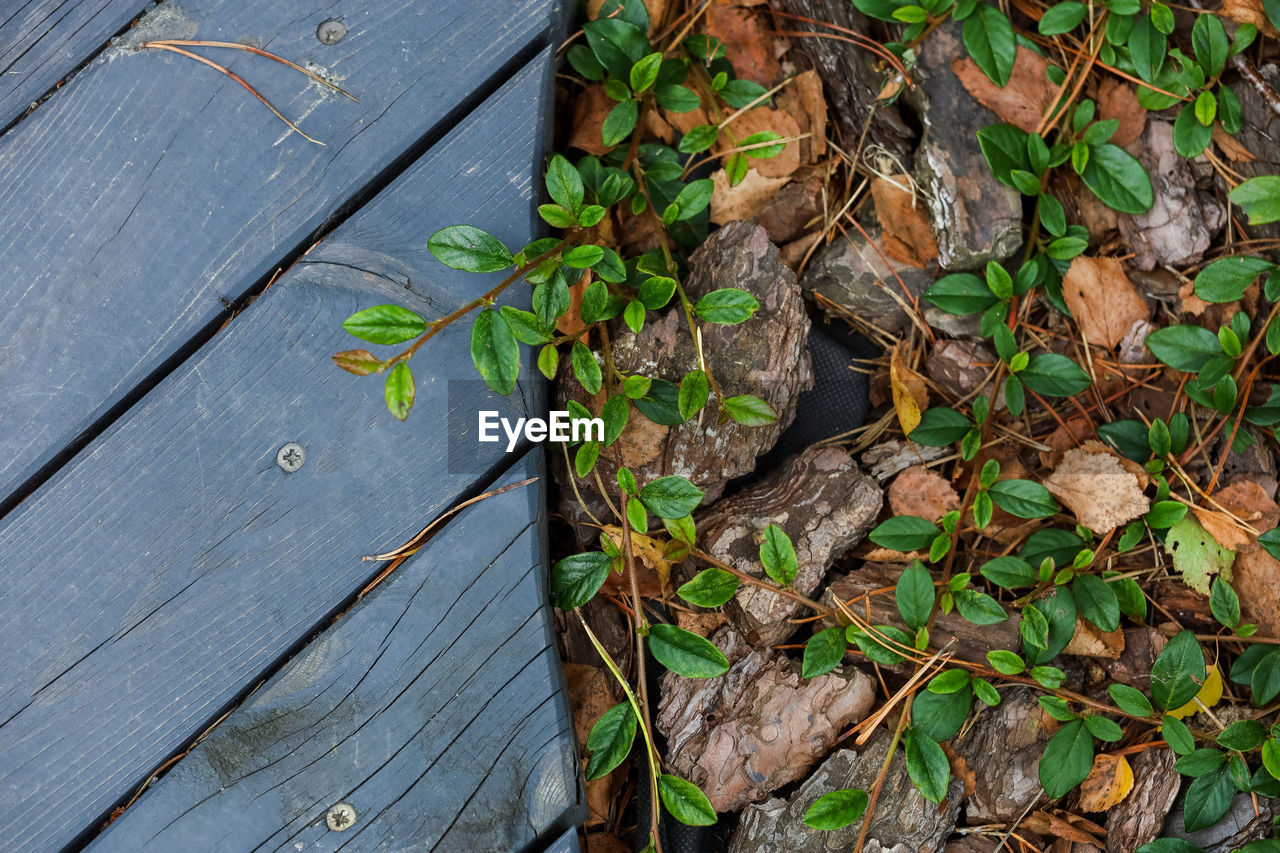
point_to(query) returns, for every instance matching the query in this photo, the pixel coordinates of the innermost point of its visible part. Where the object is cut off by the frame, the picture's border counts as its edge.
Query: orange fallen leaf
(1232, 147)
(903, 402)
(1117, 100)
(1026, 97)
(1248, 12)
(1221, 527)
(748, 45)
(809, 87)
(1105, 303)
(1108, 783)
(905, 226)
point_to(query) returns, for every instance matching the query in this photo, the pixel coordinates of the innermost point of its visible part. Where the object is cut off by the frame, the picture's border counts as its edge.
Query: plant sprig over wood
(1075, 506)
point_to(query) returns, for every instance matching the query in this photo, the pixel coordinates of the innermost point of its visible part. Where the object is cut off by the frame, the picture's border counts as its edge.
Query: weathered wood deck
(159, 573)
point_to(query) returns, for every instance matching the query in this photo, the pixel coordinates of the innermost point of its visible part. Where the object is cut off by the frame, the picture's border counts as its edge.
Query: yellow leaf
(1109, 782)
(904, 403)
(1210, 694)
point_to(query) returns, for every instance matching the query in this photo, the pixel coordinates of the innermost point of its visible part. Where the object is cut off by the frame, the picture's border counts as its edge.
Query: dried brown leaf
(904, 222)
(1026, 98)
(1221, 526)
(759, 119)
(1105, 303)
(747, 42)
(1108, 783)
(744, 201)
(1094, 485)
(809, 86)
(590, 108)
(1117, 100)
(923, 493)
(1089, 641)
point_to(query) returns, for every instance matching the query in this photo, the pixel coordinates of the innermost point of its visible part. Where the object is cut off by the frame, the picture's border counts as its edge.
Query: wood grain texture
(42, 41)
(433, 707)
(151, 187)
(161, 573)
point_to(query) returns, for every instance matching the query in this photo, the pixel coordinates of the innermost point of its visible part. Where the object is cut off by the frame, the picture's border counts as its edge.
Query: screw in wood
(339, 817)
(331, 31)
(291, 456)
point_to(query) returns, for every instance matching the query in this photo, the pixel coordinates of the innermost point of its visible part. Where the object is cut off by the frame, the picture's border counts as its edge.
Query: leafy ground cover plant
(1128, 498)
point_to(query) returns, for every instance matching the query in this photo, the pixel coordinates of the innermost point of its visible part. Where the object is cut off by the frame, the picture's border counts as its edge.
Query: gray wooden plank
(151, 187)
(172, 563)
(433, 709)
(567, 843)
(42, 41)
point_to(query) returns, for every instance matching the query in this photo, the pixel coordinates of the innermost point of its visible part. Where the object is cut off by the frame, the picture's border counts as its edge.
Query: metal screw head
(291, 456)
(331, 31)
(340, 817)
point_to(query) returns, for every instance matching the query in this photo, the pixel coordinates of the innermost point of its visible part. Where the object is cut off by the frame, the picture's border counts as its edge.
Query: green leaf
(564, 184)
(940, 426)
(677, 99)
(1130, 700)
(914, 594)
(823, 652)
(1059, 611)
(671, 497)
(1062, 18)
(988, 36)
(1242, 735)
(941, 715)
(615, 414)
(610, 739)
(685, 801)
(692, 200)
(1259, 197)
(1009, 572)
(1102, 728)
(1210, 43)
(1265, 682)
(1270, 542)
(1190, 137)
(739, 93)
(1178, 673)
(1207, 799)
(928, 767)
(494, 351)
(1169, 845)
(727, 306)
(1196, 555)
(619, 123)
(984, 690)
(1097, 601)
(464, 247)
(949, 681)
(1005, 148)
(645, 72)
(979, 608)
(617, 43)
(1271, 757)
(836, 809)
(749, 410)
(1054, 375)
(699, 138)
(1023, 498)
(961, 294)
(575, 579)
(694, 391)
(399, 391)
(1117, 178)
(581, 257)
(1049, 676)
(904, 533)
(765, 151)
(1006, 662)
(385, 324)
(585, 367)
(1224, 603)
(1147, 48)
(661, 404)
(524, 325)
(1177, 735)
(685, 653)
(1225, 280)
(1184, 348)
(778, 555)
(656, 291)
(1067, 759)
(878, 649)
(709, 588)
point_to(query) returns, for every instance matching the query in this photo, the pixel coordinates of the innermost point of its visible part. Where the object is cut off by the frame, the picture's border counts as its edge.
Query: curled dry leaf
(1093, 484)
(1108, 783)
(744, 201)
(923, 493)
(909, 393)
(1103, 300)
(1071, 434)
(1222, 527)
(808, 86)
(1089, 641)
(905, 222)
(1249, 12)
(1254, 579)
(1026, 98)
